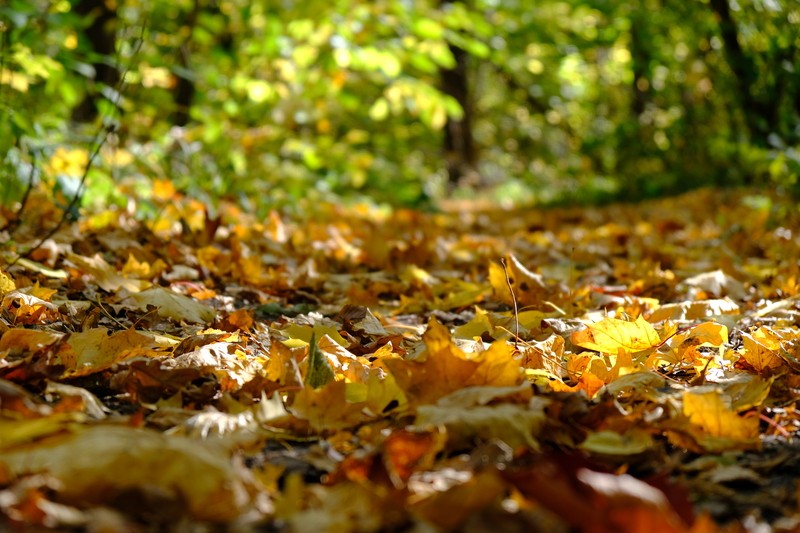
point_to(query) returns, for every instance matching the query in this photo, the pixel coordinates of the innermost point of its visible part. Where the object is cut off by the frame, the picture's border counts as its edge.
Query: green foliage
(276, 102)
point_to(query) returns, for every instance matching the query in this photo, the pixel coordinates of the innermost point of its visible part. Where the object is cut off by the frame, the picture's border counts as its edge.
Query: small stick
(514, 300)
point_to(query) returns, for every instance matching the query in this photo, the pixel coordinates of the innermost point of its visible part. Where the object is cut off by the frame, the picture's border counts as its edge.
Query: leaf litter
(627, 368)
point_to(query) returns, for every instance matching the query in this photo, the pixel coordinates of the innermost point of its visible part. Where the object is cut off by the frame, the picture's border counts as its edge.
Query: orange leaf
(444, 368)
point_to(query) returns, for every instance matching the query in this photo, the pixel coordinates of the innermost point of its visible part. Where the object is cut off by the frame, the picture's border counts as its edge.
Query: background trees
(402, 100)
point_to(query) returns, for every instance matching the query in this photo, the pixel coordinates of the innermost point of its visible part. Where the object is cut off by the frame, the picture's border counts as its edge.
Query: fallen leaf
(613, 443)
(444, 368)
(717, 284)
(529, 288)
(105, 275)
(327, 408)
(172, 305)
(693, 310)
(466, 418)
(319, 371)
(718, 426)
(611, 335)
(6, 283)
(101, 463)
(97, 349)
(762, 350)
(450, 508)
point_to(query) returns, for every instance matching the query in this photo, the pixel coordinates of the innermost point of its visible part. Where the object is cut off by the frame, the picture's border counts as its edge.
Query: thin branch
(75, 199)
(14, 222)
(514, 300)
(101, 139)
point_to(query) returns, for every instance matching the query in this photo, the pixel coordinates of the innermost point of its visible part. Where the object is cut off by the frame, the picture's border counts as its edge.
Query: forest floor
(618, 369)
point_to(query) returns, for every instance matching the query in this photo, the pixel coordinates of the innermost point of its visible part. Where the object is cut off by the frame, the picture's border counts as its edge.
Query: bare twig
(14, 222)
(514, 300)
(75, 199)
(101, 139)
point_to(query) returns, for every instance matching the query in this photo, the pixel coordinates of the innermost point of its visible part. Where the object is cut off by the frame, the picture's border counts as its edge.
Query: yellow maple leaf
(375, 387)
(23, 340)
(44, 293)
(170, 304)
(142, 269)
(717, 426)
(529, 287)
(544, 355)
(611, 335)
(516, 425)
(762, 349)
(6, 283)
(105, 275)
(94, 350)
(684, 346)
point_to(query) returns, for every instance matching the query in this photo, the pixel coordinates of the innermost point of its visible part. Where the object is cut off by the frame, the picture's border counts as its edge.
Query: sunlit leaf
(107, 277)
(762, 349)
(6, 283)
(97, 349)
(327, 408)
(720, 427)
(528, 287)
(611, 335)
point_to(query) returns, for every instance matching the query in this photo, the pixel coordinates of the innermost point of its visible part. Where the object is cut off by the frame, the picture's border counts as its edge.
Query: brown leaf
(99, 464)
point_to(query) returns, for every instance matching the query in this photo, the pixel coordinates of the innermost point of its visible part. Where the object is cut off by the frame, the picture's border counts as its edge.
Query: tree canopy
(397, 99)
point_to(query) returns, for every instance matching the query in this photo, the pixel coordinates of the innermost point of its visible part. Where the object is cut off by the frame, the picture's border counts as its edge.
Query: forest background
(216, 308)
(398, 100)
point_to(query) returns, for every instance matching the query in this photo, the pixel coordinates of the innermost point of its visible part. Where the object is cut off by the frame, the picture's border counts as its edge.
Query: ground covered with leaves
(628, 368)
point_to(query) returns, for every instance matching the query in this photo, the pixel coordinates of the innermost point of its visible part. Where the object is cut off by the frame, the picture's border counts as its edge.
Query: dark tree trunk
(641, 65)
(184, 90)
(101, 35)
(459, 146)
(759, 113)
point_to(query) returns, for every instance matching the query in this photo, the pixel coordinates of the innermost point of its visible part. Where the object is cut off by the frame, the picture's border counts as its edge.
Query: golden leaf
(762, 349)
(529, 287)
(717, 425)
(611, 335)
(6, 283)
(94, 350)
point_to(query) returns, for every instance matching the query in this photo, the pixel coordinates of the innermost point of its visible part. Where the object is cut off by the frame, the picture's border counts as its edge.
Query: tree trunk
(759, 113)
(184, 90)
(459, 146)
(102, 36)
(641, 64)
